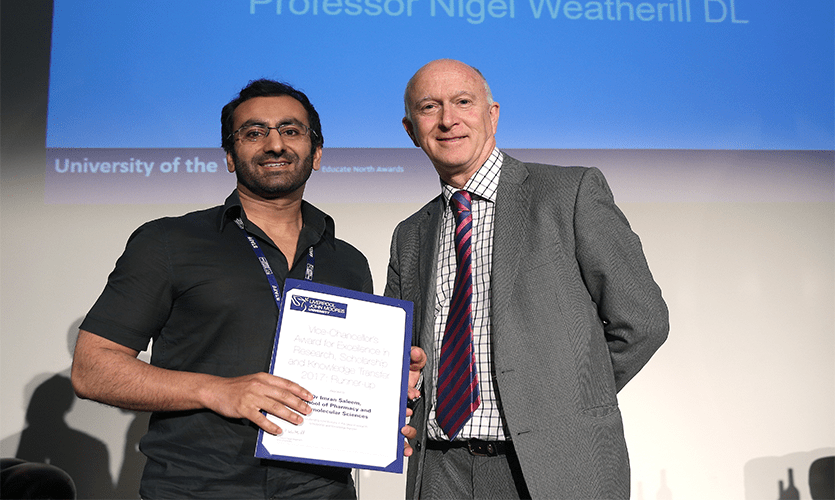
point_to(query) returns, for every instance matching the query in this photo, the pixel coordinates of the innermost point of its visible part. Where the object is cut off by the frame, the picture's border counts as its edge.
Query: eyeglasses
(257, 133)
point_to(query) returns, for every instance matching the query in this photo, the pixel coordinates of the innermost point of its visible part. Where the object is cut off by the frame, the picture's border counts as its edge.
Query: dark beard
(260, 185)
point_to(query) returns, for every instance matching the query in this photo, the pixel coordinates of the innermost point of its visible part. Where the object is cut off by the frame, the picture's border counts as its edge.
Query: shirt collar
(317, 224)
(484, 182)
(232, 209)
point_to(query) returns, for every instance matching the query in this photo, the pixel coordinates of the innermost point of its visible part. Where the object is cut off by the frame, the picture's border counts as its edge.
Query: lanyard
(308, 272)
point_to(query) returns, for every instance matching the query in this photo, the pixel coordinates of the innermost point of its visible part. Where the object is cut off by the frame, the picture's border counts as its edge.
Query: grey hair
(410, 86)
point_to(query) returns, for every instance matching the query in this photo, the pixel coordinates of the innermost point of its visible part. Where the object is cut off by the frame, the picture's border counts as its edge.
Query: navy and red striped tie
(458, 395)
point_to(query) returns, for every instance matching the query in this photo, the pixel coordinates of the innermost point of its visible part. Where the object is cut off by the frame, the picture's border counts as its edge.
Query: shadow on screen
(48, 439)
(85, 456)
(794, 476)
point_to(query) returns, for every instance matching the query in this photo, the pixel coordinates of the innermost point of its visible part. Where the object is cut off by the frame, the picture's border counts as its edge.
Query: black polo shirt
(194, 285)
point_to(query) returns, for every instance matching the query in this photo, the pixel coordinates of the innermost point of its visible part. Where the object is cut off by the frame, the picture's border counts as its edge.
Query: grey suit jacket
(575, 315)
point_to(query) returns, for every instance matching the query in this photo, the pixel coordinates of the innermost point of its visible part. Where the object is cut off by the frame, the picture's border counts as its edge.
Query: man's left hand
(416, 363)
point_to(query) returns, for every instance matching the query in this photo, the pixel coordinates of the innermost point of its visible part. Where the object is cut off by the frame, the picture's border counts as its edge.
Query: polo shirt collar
(318, 226)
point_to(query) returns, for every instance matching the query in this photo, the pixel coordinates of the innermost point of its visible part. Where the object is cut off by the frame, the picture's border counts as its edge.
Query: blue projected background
(679, 74)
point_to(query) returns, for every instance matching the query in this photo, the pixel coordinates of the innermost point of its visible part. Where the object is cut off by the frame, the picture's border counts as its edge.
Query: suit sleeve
(616, 274)
(393, 274)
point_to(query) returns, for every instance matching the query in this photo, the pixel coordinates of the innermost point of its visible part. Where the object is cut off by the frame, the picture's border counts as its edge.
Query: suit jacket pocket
(600, 411)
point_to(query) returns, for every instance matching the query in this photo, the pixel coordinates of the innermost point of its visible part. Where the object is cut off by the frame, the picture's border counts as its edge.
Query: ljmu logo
(298, 303)
(318, 306)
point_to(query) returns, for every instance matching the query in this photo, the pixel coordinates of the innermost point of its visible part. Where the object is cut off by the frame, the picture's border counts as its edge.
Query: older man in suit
(534, 306)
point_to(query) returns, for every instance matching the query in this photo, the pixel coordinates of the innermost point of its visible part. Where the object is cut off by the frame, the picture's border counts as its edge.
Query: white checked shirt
(486, 422)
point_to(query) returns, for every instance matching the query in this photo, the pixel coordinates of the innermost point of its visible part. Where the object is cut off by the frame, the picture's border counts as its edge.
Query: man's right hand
(110, 373)
(246, 396)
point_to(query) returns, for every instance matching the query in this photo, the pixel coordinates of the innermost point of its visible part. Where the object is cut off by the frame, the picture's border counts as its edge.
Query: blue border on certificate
(293, 284)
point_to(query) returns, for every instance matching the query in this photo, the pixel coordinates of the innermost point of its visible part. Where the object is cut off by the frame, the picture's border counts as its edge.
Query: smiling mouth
(275, 164)
(451, 139)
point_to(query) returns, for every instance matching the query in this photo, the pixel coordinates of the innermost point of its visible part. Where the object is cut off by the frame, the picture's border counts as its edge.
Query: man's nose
(274, 141)
(448, 117)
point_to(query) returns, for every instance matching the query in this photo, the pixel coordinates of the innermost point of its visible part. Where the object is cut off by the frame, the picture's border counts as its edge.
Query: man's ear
(494, 116)
(230, 163)
(317, 158)
(407, 124)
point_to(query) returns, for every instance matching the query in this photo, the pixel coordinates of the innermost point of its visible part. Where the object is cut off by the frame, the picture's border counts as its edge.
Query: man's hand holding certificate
(351, 350)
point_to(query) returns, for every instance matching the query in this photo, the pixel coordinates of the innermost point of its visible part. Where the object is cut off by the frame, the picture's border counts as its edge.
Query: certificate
(351, 350)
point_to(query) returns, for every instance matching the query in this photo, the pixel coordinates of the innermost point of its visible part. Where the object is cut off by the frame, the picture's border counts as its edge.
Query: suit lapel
(428, 231)
(509, 233)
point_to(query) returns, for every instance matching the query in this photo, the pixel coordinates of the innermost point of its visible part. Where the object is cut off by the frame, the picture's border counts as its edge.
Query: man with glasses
(194, 284)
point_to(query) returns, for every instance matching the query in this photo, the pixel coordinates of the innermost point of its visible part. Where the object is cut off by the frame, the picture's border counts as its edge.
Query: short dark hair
(268, 88)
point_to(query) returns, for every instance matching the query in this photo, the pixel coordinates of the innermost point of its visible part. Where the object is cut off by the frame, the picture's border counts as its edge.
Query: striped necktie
(458, 394)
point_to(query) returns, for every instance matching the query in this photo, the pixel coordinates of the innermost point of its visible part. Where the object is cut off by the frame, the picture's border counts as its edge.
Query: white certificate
(351, 350)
